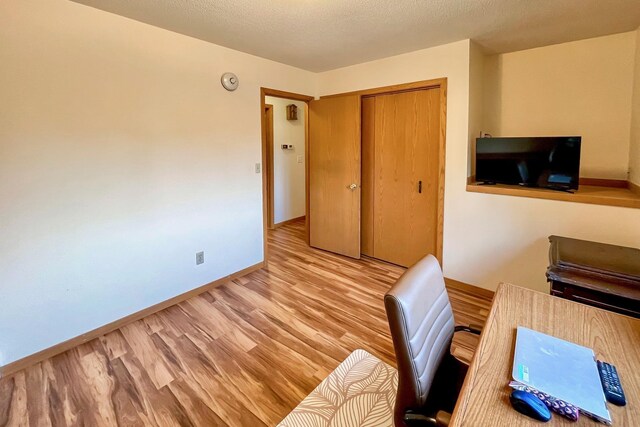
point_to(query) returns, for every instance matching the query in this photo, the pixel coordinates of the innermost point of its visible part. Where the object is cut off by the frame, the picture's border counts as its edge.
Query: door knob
(352, 186)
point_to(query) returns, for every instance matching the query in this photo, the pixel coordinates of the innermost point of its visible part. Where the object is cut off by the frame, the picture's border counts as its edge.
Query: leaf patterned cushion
(361, 391)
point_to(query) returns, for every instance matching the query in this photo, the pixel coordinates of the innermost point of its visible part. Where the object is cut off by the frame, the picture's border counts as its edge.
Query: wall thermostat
(229, 81)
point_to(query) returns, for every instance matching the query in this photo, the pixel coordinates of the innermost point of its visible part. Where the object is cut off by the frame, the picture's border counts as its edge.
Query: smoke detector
(229, 81)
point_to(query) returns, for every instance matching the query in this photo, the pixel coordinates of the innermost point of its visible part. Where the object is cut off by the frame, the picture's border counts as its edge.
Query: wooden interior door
(405, 200)
(334, 175)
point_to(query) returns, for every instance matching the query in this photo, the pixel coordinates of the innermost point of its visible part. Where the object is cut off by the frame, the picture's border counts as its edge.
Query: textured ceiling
(320, 35)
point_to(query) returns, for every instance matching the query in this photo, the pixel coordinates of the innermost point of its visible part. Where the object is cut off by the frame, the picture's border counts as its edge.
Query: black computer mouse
(529, 405)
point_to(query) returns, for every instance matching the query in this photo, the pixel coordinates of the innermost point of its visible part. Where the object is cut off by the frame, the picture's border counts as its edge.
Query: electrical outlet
(258, 168)
(199, 258)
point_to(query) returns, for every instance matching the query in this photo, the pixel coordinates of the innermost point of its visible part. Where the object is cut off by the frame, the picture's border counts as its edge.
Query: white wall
(288, 173)
(634, 145)
(121, 156)
(578, 88)
(487, 238)
(476, 104)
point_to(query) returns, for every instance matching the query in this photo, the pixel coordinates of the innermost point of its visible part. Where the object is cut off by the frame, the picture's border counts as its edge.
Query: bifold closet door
(334, 175)
(406, 172)
(368, 174)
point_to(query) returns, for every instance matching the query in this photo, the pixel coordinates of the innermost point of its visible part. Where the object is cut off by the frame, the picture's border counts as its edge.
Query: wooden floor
(243, 354)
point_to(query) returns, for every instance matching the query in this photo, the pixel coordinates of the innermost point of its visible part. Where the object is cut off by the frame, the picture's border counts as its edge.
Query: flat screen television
(548, 162)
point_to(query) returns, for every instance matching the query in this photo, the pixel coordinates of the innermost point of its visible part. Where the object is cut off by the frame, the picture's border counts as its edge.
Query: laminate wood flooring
(242, 354)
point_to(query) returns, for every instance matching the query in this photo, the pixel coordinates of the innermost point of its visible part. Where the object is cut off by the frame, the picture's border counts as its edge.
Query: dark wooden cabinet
(597, 274)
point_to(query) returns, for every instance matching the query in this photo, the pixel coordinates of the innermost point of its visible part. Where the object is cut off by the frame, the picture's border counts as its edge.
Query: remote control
(611, 383)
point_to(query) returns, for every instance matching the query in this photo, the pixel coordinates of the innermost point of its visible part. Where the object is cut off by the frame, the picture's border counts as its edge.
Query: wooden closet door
(407, 144)
(334, 175)
(368, 174)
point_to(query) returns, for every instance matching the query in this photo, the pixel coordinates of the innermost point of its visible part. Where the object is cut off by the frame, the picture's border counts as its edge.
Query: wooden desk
(484, 399)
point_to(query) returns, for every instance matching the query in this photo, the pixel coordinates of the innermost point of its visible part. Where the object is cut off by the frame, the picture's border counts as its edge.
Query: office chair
(422, 328)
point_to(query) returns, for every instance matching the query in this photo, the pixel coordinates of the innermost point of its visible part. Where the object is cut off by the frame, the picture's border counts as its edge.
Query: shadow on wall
(487, 79)
(526, 267)
(492, 95)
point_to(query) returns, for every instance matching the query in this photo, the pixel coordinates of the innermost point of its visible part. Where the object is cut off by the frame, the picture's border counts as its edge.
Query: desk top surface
(484, 398)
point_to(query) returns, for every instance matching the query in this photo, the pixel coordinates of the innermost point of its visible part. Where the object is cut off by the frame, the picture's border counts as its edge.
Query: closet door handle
(420, 187)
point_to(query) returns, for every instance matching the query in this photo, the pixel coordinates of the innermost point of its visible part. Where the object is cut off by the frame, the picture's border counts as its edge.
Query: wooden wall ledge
(608, 195)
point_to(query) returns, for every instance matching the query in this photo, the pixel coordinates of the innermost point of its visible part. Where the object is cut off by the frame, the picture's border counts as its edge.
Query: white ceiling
(319, 35)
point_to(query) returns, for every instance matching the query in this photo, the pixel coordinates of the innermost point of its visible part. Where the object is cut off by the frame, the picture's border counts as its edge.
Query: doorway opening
(285, 181)
(376, 168)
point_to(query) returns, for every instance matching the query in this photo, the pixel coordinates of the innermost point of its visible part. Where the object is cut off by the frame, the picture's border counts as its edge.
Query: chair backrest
(422, 325)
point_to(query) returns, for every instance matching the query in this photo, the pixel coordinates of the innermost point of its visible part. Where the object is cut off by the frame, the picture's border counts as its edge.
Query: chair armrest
(473, 329)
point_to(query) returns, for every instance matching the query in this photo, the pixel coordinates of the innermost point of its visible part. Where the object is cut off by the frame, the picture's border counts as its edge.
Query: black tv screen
(548, 162)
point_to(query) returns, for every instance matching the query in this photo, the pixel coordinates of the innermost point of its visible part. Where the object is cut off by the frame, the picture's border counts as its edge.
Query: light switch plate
(258, 168)
(299, 158)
